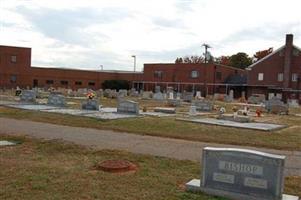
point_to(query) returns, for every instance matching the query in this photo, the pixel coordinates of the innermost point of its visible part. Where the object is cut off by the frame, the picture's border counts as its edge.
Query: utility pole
(134, 56)
(205, 71)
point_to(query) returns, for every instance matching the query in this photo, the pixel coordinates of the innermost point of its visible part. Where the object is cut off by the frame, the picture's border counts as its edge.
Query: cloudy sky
(89, 33)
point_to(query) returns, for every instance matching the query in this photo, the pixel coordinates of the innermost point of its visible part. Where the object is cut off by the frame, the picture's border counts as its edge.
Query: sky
(86, 34)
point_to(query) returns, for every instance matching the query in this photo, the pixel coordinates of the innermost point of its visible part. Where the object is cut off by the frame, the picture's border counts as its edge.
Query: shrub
(116, 84)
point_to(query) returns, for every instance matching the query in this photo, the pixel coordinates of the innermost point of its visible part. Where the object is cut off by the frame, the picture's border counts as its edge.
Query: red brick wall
(8, 68)
(176, 73)
(271, 67)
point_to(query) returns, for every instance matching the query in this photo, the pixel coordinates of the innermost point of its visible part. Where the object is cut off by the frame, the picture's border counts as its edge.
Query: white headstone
(192, 110)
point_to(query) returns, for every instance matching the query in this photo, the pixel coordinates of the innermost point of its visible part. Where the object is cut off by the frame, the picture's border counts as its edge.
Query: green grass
(288, 138)
(39, 169)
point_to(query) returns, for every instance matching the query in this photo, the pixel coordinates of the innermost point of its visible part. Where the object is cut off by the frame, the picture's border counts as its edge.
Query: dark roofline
(15, 47)
(88, 70)
(229, 67)
(197, 64)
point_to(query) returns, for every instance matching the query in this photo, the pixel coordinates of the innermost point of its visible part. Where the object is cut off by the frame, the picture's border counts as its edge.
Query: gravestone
(192, 111)
(241, 174)
(147, 95)
(218, 96)
(100, 93)
(90, 104)
(158, 96)
(157, 89)
(165, 110)
(294, 103)
(187, 96)
(256, 99)
(129, 107)
(122, 93)
(276, 106)
(271, 95)
(279, 95)
(81, 92)
(106, 93)
(178, 96)
(170, 95)
(198, 95)
(56, 99)
(169, 90)
(235, 118)
(174, 102)
(243, 94)
(28, 96)
(203, 105)
(133, 93)
(230, 97)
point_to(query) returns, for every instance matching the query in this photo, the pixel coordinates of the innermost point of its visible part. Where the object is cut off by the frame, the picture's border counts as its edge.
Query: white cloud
(86, 34)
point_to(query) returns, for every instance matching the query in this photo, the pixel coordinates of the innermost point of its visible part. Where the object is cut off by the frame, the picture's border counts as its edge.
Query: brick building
(16, 70)
(209, 78)
(277, 73)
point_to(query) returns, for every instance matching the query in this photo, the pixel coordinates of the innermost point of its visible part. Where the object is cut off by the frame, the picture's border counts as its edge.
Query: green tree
(240, 60)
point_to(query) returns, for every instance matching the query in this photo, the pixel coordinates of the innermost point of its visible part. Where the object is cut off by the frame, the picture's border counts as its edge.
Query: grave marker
(28, 96)
(203, 105)
(241, 174)
(56, 100)
(129, 107)
(90, 104)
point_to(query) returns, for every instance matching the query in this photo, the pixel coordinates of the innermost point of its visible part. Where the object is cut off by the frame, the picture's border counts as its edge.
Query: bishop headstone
(241, 174)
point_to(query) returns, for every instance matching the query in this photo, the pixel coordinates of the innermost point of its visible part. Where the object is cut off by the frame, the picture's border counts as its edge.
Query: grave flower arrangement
(91, 95)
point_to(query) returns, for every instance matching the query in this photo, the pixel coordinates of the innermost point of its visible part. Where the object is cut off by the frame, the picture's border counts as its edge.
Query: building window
(13, 59)
(218, 75)
(280, 77)
(295, 77)
(13, 78)
(260, 76)
(296, 52)
(78, 83)
(158, 74)
(91, 83)
(49, 82)
(64, 82)
(194, 74)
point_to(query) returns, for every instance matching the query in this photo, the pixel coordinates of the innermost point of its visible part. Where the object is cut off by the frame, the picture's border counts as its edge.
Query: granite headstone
(127, 106)
(241, 174)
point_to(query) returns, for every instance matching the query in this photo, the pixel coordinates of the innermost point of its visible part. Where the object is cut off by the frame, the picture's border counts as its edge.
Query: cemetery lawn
(38, 169)
(284, 139)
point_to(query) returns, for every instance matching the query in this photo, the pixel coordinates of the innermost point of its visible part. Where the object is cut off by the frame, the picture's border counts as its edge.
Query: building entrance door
(35, 83)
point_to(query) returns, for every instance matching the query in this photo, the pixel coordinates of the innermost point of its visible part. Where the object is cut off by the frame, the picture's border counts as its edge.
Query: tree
(190, 59)
(261, 54)
(116, 84)
(240, 60)
(179, 60)
(223, 60)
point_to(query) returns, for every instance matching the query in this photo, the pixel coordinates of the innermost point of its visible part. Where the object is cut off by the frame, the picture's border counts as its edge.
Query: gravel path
(105, 139)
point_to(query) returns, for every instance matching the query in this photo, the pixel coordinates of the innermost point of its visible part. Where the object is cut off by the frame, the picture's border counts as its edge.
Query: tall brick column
(288, 60)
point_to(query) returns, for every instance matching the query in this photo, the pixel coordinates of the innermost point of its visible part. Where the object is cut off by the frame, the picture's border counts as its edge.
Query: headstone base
(195, 186)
